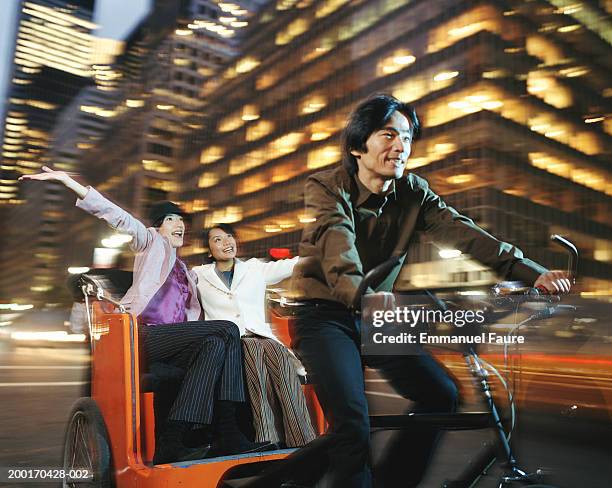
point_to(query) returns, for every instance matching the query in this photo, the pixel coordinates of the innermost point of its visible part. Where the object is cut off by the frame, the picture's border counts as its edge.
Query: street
(38, 386)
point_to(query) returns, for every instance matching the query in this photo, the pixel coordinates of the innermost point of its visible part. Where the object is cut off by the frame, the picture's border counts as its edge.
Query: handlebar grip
(570, 248)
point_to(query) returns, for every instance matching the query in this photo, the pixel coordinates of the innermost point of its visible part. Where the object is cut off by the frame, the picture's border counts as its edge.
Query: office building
(167, 59)
(51, 63)
(514, 98)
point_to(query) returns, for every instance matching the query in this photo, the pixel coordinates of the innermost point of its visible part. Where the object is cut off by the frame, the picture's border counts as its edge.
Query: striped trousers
(279, 408)
(210, 353)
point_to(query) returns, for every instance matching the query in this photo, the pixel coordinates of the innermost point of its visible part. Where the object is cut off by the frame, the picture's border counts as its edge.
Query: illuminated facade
(167, 59)
(206, 37)
(52, 61)
(155, 86)
(514, 98)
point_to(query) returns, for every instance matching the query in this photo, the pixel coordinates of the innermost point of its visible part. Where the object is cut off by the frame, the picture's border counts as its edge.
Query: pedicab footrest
(446, 421)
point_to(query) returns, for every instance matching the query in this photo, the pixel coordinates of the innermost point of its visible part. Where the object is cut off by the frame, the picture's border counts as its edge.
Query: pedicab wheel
(86, 447)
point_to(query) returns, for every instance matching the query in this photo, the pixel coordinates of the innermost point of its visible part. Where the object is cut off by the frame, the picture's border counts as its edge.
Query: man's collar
(363, 193)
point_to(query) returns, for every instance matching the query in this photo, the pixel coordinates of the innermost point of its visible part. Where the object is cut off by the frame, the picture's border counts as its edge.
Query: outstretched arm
(97, 205)
(447, 226)
(275, 271)
(49, 174)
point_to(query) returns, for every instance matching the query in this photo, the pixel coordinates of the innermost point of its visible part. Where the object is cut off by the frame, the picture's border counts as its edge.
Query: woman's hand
(554, 281)
(49, 174)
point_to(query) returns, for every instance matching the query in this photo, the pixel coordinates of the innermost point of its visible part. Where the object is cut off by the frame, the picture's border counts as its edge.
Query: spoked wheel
(86, 448)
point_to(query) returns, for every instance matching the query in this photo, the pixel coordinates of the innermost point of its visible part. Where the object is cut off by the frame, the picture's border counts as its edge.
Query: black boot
(170, 447)
(228, 439)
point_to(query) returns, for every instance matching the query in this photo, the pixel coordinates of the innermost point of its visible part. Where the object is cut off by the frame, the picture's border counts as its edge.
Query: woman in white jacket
(232, 289)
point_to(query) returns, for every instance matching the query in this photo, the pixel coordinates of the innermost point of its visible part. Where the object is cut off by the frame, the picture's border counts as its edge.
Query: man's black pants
(211, 354)
(326, 336)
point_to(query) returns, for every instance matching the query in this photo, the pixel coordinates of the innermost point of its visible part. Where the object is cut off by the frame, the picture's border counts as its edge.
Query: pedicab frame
(111, 433)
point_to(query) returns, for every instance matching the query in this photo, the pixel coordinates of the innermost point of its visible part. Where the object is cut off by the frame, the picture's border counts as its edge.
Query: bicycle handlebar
(572, 264)
(372, 275)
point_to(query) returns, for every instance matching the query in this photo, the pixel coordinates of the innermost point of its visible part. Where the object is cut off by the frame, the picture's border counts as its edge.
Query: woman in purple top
(164, 297)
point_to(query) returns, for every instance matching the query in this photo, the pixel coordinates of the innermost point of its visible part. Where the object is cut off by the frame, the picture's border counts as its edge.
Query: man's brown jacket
(356, 230)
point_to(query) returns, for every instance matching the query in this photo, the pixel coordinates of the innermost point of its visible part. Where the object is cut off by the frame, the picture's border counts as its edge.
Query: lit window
(324, 45)
(546, 87)
(313, 103)
(156, 166)
(229, 73)
(228, 215)
(574, 71)
(266, 80)
(40, 104)
(411, 89)
(230, 123)
(246, 64)
(272, 228)
(293, 30)
(252, 183)
(585, 176)
(329, 6)
(607, 125)
(324, 156)
(250, 112)
(541, 47)
(460, 179)
(247, 161)
(285, 144)
(14, 120)
(207, 180)
(211, 154)
(481, 18)
(199, 205)
(445, 75)
(286, 171)
(394, 62)
(259, 130)
(285, 4)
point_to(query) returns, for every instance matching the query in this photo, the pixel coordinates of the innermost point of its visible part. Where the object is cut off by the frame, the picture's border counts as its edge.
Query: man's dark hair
(227, 228)
(370, 116)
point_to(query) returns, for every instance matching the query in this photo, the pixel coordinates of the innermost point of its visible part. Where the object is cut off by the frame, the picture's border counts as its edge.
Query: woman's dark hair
(159, 222)
(160, 210)
(370, 116)
(227, 228)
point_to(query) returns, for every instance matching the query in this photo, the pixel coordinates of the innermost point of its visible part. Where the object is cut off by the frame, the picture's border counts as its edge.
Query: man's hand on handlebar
(555, 281)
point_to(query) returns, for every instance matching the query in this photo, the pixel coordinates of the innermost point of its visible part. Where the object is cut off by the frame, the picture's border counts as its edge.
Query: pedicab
(110, 436)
